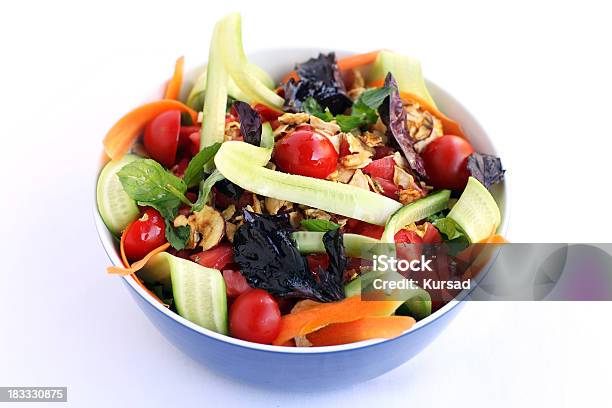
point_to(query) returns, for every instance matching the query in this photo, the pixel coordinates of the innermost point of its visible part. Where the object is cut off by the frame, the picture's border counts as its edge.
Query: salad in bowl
(245, 206)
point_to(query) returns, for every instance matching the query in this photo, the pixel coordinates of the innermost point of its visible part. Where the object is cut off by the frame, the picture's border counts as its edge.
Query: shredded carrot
(368, 328)
(122, 135)
(346, 63)
(174, 85)
(306, 321)
(494, 239)
(357, 60)
(136, 266)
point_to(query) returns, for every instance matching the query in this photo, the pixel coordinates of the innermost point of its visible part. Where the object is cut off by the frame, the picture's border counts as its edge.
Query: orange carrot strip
(136, 266)
(357, 60)
(350, 62)
(124, 259)
(122, 135)
(363, 329)
(174, 85)
(494, 239)
(306, 321)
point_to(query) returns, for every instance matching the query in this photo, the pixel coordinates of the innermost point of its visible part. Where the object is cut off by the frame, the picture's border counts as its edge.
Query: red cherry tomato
(216, 258)
(144, 235)
(235, 283)
(445, 162)
(306, 153)
(267, 114)
(382, 168)
(255, 316)
(368, 230)
(161, 137)
(432, 235)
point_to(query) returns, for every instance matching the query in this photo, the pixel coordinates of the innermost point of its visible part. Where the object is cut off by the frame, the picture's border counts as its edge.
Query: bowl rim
(108, 243)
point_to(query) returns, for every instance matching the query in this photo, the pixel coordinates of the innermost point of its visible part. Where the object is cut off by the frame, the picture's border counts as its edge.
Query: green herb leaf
(205, 187)
(177, 237)
(312, 107)
(349, 122)
(449, 228)
(148, 183)
(373, 97)
(195, 170)
(319, 225)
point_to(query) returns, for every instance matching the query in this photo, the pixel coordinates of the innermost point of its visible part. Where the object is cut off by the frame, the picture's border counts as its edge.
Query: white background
(536, 75)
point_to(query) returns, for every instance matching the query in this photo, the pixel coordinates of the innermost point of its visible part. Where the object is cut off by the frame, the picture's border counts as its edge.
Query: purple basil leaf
(393, 116)
(269, 260)
(485, 168)
(320, 79)
(250, 123)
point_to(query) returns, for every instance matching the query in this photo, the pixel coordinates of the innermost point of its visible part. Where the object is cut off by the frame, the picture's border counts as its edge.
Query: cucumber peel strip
(236, 63)
(243, 164)
(415, 211)
(476, 212)
(355, 245)
(232, 89)
(213, 127)
(199, 292)
(406, 71)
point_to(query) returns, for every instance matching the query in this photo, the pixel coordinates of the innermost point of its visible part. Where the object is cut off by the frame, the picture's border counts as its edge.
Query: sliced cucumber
(355, 245)
(414, 212)
(417, 301)
(236, 64)
(242, 164)
(195, 100)
(267, 137)
(406, 71)
(199, 292)
(213, 126)
(116, 208)
(476, 212)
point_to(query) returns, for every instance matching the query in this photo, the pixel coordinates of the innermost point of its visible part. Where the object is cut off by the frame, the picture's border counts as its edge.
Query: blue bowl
(308, 368)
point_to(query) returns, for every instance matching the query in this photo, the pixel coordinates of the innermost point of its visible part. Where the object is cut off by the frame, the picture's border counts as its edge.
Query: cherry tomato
(235, 283)
(255, 316)
(432, 235)
(144, 235)
(445, 162)
(383, 168)
(161, 137)
(267, 114)
(216, 258)
(404, 236)
(368, 230)
(306, 153)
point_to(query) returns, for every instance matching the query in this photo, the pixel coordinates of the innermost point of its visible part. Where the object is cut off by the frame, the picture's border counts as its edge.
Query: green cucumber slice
(267, 137)
(406, 71)
(196, 96)
(199, 292)
(236, 64)
(355, 245)
(116, 208)
(414, 212)
(213, 126)
(242, 164)
(417, 301)
(476, 212)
